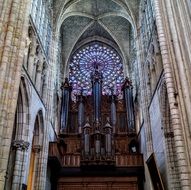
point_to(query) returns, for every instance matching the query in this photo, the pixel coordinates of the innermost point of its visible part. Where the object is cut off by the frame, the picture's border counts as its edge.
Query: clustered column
(20, 147)
(36, 64)
(32, 53)
(39, 70)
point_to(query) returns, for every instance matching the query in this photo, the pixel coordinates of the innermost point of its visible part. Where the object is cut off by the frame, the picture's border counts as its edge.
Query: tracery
(94, 56)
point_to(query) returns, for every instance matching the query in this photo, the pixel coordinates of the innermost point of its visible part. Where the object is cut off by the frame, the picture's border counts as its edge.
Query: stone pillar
(45, 82)
(49, 103)
(13, 33)
(32, 53)
(38, 79)
(37, 166)
(21, 147)
(168, 64)
(128, 96)
(144, 95)
(35, 65)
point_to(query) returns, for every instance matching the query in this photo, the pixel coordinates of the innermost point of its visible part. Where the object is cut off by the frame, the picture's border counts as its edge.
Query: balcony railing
(71, 160)
(129, 160)
(74, 160)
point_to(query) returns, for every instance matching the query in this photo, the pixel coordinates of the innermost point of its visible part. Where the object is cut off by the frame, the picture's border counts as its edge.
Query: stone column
(35, 64)
(32, 53)
(45, 82)
(21, 147)
(37, 166)
(13, 32)
(168, 64)
(144, 95)
(39, 69)
(48, 101)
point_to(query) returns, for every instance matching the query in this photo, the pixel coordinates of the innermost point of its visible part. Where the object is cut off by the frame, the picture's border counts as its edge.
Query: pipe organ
(99, 120)
(97, 136)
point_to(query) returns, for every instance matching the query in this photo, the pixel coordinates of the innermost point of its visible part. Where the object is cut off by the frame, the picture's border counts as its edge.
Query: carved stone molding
(20, 145)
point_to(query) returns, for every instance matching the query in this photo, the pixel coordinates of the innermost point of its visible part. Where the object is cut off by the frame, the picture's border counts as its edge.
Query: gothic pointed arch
(20, 143)
(36, 148)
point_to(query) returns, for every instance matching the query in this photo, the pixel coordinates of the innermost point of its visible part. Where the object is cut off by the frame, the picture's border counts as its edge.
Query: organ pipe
(86, 134)
(80, 111)
(113, 110)
(66, 92)
(108, 139)
(97, 90)
(128, 96)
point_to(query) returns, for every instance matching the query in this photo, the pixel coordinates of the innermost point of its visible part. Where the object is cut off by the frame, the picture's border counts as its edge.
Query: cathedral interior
(95, 94)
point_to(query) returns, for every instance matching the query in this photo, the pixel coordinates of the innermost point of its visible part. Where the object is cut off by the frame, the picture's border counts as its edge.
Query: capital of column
(20, 145)
(37, 148)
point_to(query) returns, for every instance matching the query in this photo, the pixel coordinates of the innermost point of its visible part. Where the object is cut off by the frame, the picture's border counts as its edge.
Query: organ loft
(98, 145)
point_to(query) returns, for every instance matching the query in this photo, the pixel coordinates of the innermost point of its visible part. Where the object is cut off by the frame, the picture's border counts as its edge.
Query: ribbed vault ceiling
(88, 20)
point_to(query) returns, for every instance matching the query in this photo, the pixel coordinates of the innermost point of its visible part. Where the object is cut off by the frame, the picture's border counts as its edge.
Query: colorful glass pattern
(101, 56)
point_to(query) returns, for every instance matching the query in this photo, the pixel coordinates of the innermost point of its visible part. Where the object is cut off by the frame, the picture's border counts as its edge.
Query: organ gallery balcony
(76, 160)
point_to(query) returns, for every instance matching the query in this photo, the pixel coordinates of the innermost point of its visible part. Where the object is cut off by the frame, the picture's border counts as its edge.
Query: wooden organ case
(97, 146)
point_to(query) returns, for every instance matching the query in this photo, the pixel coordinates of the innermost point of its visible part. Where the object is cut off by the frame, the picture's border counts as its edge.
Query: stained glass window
(147, 23)
(89, 57)
(41, 17)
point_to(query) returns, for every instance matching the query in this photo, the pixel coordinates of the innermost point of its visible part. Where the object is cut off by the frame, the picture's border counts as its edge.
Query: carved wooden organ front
(100, 128)
(97, 147)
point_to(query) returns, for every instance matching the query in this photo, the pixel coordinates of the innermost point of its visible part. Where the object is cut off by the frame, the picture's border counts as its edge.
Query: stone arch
(22, 112)
(20, 144)
(38, 130)
(37, 142)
